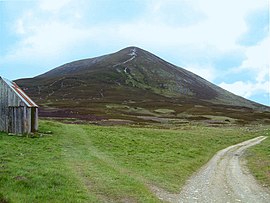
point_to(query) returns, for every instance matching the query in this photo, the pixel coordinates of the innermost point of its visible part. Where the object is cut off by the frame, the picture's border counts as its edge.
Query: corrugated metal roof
(20, 93)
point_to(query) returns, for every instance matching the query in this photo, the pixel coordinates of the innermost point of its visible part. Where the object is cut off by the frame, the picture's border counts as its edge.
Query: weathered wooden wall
(15, 115)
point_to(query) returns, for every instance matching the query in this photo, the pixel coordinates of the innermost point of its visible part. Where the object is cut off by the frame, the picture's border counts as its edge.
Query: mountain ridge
(131, 74)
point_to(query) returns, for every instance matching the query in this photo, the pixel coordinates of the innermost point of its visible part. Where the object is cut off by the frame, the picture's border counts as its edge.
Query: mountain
(135, 84)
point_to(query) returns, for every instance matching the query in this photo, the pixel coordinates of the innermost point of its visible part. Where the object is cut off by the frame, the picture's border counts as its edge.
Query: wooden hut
(18, 113)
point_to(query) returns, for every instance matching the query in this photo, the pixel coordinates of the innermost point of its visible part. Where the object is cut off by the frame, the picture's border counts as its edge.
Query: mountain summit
(130, 79)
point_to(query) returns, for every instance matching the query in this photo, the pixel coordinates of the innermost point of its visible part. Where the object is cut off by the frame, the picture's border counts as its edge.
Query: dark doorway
(34, 121)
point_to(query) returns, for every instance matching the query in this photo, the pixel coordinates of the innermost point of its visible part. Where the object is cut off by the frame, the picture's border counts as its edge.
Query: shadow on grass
(3, 199)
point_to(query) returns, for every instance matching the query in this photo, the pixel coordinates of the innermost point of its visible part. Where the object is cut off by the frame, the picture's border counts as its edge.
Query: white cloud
(257, 62)
(175, 13)
(258, 58)
(247, 89)
(222, 24)
(52, 5)
(225, 20)
(20, 27)
(47, 40)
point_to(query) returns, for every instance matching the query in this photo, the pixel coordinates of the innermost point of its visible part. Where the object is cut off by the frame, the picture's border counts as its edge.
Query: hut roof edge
(20, 93)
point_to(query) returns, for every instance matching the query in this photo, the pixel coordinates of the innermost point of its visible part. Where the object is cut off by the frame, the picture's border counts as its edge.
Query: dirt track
(223, 179)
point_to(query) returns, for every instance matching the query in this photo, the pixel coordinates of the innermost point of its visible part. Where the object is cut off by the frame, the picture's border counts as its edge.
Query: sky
(225, 41)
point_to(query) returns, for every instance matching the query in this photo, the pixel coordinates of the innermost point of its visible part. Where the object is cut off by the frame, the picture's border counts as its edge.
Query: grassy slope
(258, 158)
(80, 163)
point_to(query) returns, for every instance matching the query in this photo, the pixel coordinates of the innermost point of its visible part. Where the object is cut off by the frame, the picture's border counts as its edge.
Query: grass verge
(258, 160)
(83, 163)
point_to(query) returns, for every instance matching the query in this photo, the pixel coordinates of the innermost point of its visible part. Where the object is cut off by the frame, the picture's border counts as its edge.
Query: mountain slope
(131, 78)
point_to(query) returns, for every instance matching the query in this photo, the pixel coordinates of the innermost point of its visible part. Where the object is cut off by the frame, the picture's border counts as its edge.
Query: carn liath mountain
(134, 84)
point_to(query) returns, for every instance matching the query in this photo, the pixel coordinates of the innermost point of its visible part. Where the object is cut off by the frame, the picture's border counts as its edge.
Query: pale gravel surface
(223, 179)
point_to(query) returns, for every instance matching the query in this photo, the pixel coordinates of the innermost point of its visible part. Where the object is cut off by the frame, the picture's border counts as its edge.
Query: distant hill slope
(132, 82)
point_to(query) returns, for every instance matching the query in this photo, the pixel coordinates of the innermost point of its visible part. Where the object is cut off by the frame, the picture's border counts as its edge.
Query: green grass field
(258, 158)
(86, 163)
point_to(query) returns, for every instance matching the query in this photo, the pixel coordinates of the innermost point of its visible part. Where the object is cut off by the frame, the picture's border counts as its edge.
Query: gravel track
(225, 179)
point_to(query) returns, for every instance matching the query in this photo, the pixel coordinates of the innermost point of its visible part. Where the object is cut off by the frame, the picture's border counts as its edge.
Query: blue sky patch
(257, 27)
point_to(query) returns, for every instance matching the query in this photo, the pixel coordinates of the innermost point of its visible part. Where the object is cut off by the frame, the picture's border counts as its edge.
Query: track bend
(225, 179)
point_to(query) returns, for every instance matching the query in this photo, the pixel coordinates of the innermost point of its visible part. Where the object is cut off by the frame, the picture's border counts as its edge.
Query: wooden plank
(15, 116)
